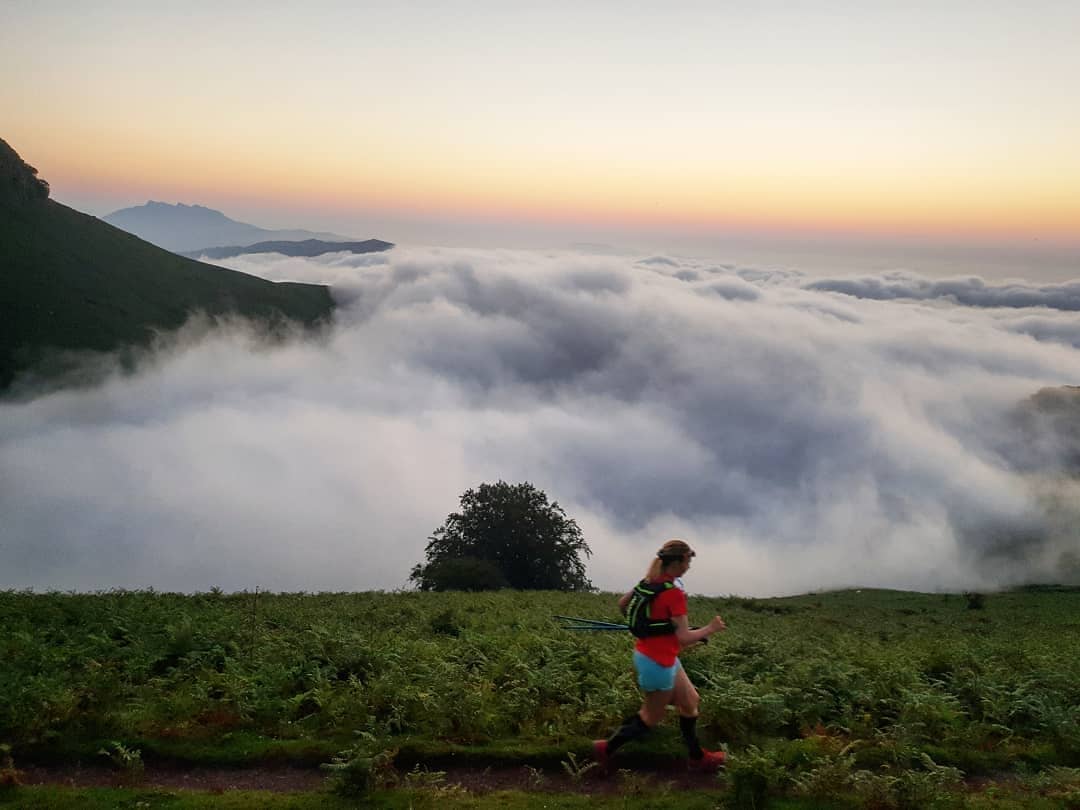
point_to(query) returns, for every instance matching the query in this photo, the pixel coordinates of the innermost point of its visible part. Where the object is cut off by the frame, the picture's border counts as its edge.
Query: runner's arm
(687, 637)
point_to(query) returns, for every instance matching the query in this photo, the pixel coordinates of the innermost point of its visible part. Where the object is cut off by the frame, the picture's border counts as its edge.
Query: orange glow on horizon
(693, 198)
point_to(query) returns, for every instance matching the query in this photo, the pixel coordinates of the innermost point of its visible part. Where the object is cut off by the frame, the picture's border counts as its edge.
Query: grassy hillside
(856, 681)
(883, 699)
(69, 281)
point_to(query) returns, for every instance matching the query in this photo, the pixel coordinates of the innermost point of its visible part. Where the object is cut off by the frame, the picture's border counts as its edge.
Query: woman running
(656, 613)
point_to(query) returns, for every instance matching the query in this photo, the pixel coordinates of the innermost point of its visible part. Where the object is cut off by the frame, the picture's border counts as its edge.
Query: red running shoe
(710, 762)
(600, 754)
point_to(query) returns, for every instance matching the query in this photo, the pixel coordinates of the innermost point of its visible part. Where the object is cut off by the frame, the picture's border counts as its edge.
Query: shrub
(832, 776)
(360, 769)
(10, 777)
(462, 574)
(754, 778)
(127, 761)
(445, 624)
(932, 788)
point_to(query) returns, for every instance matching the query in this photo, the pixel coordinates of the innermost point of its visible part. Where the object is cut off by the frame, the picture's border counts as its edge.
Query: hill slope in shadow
(71, 283)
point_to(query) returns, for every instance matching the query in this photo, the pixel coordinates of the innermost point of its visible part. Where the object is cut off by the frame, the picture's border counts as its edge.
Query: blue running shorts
(652, 677)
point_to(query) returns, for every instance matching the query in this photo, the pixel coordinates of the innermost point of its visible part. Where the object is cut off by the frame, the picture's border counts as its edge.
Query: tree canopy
(506, 535)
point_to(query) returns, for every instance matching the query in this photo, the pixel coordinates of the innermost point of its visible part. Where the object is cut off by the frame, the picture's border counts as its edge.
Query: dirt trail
(288, 780)
(278, 780)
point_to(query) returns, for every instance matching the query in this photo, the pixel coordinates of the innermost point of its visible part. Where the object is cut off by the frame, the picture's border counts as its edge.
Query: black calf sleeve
(688, 727)
(631, 729)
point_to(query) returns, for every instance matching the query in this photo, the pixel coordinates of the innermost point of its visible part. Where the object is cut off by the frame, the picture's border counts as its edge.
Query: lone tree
(506, 535)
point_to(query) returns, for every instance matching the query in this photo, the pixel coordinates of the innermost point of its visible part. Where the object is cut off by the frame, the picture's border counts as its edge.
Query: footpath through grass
(58, 798)
(112, 798)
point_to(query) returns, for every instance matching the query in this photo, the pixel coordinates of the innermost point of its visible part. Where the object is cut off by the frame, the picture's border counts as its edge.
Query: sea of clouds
(800, 432)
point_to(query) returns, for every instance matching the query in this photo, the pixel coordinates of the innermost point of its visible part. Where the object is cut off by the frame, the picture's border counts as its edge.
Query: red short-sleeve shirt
(667, 605)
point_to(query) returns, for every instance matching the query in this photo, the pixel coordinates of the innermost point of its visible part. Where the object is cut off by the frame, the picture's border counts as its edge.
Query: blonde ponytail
(656, 568)
(670, 552)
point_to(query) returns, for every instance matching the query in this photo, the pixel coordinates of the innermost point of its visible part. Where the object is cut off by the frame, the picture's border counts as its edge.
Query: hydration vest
(637, 610)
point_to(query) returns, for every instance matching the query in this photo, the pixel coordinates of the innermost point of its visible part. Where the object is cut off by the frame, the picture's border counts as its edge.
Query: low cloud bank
(970, 291)
(798, 439)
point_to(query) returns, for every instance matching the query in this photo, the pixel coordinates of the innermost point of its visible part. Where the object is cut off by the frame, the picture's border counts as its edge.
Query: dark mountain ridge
(72, 283)
(307, 247)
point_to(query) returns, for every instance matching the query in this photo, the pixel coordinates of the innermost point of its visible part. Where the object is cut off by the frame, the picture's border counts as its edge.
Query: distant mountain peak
(180, 206)
(181, 227)
(181, 212)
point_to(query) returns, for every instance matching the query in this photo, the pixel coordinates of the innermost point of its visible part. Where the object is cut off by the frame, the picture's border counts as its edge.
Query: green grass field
(847, 694)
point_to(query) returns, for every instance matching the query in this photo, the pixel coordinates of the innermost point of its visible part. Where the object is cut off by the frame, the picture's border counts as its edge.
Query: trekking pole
(576, 623)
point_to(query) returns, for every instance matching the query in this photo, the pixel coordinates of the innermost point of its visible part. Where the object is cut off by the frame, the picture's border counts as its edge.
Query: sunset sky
(773, 276)
(503, 121)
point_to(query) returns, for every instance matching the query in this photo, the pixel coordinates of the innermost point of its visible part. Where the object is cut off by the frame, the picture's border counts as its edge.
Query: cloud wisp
(970, 291)
(798, 438)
